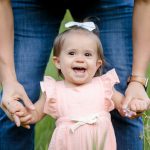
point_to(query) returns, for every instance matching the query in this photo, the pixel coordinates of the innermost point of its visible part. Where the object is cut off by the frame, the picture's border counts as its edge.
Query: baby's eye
(71, 53)
(88, 54)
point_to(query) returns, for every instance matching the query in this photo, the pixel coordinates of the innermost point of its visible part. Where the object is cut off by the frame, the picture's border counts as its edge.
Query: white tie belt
(79, 121)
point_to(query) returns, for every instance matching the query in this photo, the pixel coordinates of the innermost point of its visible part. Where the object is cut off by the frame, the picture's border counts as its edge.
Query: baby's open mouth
(79, 69)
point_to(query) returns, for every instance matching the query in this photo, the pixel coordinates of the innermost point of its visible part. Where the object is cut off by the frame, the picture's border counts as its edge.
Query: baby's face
(78, 60)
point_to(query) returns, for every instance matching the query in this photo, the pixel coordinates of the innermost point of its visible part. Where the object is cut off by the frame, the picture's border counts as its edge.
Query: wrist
(7, 71)
(140, 79)
(7, 76)
(8, 81)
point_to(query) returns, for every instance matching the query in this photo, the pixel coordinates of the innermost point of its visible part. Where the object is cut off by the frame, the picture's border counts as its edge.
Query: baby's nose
(80, 60)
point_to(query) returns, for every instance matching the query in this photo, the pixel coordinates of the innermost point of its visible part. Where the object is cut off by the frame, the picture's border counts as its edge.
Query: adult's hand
(135, 90)
(12, 92)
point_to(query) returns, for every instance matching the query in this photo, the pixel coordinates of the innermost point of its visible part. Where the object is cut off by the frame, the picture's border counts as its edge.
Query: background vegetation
(44, 128)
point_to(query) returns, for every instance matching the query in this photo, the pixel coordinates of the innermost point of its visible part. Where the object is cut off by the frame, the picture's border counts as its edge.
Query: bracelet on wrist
(139, 79)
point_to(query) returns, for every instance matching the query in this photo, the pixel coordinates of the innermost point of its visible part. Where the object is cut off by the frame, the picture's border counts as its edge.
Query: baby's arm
(38, 114)
(117, 98)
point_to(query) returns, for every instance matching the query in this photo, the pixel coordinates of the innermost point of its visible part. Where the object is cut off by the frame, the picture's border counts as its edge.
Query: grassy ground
(44, 128)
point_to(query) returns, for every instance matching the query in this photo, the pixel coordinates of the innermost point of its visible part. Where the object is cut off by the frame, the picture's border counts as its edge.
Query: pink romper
(83, 121)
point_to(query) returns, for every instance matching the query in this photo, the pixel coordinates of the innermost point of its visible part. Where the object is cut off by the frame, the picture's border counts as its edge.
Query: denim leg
(115, 26)
(35, 29)
(116, 35)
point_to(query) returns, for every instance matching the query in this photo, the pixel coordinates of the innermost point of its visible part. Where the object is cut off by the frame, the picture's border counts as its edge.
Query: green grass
(146, 119)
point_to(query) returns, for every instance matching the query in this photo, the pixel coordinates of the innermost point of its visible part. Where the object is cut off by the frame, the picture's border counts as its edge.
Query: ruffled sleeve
(48, 86)
(109, 80)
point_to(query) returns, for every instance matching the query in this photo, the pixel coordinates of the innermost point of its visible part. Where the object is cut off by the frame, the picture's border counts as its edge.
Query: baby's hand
(25, 118)
(126, 112)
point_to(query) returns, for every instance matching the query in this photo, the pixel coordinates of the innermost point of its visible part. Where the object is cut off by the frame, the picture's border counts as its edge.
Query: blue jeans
(36, 25)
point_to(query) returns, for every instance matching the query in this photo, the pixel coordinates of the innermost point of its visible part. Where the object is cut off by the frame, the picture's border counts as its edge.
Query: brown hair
(59, 40)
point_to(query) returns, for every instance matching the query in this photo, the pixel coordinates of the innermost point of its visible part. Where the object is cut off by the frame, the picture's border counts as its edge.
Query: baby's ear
(99, 63)
(56, 61)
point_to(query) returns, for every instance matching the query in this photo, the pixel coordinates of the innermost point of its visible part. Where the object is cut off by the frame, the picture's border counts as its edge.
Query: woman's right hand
(12, 92)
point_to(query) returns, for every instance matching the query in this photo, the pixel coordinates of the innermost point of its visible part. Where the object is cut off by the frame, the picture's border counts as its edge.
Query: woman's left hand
(133, 91)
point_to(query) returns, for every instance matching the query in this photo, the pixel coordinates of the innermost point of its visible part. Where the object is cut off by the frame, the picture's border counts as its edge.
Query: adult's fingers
(126, 101)
(27, 102)
(26, 126)
(16, 120)
(12, 117)
(20, 114)
(139, 114)
(7, 112)
(26, 119)
(12, 105)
